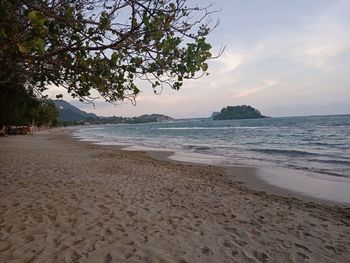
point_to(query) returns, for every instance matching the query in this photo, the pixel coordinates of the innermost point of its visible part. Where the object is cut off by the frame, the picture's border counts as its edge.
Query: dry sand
(67, 201)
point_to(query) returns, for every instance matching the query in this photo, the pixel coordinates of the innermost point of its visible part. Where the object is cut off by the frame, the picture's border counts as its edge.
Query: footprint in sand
(226, 243)
(8, 229)
(302, 247)
(108, 258)
(301, 257)
(207, 251)
(261, 256)
(131, 213)
(29, 238)
(4, 245)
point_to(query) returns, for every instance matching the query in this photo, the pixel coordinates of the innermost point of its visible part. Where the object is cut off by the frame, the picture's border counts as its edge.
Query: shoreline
(248, 176)
(251, 175)
(68, 201)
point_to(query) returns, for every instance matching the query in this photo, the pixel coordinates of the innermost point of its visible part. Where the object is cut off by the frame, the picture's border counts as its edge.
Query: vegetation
(45, 114)
(147, 118)
(17, 107)
(104, 45)
(70, 115)
(214, 114)
(238, 112)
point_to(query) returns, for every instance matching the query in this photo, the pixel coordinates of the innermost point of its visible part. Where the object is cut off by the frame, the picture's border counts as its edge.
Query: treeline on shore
(20, 107)
(22, 112)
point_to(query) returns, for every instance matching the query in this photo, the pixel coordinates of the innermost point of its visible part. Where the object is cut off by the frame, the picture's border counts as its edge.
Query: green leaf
(137, 61)
(32, 15)
(37, 18)
(2, 33)
(40, 44)
(23, 48)
(115, 56)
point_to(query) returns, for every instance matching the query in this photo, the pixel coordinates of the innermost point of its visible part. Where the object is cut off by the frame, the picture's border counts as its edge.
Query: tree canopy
(238, 112)
(19, 107)
(102, 45)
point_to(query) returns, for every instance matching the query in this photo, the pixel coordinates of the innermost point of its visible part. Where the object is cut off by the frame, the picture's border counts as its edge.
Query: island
(238, 112)
(71, 115)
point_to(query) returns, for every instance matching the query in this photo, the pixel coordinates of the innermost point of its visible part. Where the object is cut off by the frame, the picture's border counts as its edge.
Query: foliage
(45, 114)
(238, 112)
(15, 106)
(148, 118)
(70, 115)
(64, 123)
(18, 107)
(105, 45)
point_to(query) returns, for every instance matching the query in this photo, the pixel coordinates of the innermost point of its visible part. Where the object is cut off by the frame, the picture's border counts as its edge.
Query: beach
(67, 201)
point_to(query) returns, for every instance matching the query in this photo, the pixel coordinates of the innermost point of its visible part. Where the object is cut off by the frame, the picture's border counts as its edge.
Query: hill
(68, 112)
(146, 118)
(151, 118)
(238, 112)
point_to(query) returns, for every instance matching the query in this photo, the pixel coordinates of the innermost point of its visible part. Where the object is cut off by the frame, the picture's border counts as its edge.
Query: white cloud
(314, 44)
(248, 91)
(321, 39)
(229, 61)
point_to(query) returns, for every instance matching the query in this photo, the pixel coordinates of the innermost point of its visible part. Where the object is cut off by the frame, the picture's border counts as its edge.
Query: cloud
(324, 39)
(314, 44)
(265, 84)
(320, 39)
(229, 61)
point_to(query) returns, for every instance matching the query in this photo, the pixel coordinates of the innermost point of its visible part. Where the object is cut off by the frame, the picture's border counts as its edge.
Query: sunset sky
(286, 58)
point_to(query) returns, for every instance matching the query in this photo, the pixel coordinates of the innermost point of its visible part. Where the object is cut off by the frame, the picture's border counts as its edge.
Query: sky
(285, 58)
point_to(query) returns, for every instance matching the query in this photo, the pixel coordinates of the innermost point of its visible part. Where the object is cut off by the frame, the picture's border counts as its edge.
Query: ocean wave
(330, 161)
(335, 158)
(211, 128)
(290, 153)
(321, 144)
(318, 171)
(93, 128)
(327, 172)
(197, 147)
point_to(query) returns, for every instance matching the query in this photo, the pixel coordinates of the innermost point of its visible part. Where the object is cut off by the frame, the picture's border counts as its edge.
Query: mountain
(146, 118)
(238, 112)
(68, 112)
(72, 115)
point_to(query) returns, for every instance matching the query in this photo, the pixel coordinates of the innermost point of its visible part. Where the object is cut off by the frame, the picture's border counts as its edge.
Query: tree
(238, 112)
(46, 114)
(102, 45)
(16, 105)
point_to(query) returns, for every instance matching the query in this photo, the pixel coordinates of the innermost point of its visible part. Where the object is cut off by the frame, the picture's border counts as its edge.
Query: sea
(308, 148)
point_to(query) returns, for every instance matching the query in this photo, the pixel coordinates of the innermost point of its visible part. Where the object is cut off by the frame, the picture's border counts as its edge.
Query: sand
(67, 201)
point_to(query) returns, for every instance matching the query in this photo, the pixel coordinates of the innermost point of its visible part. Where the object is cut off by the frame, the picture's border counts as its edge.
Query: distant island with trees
(237, 112)
(71, 115)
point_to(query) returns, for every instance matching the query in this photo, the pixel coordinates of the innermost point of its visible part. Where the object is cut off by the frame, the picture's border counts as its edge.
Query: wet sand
(68, 201)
